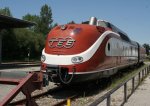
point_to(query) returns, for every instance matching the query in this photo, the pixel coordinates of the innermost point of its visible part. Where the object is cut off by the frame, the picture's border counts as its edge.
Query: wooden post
(143, 74)
(139, 77)
(108, 100)
(132, 84)
(0, 49)
(125, 92)
(146, 71)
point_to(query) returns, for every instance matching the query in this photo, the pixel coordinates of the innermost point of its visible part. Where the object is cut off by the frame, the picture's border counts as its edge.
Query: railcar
(88, 51)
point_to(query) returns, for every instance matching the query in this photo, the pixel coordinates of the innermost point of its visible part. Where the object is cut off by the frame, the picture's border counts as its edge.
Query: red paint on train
(80, 52)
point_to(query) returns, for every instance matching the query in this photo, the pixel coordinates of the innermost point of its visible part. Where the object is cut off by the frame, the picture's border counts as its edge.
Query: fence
(143, 73)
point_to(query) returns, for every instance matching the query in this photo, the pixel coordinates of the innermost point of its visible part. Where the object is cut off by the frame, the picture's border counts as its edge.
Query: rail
(141, 75)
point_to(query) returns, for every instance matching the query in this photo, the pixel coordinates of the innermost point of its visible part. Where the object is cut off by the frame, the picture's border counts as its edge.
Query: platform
(14, 65)
(141, 96)
(13, 82)
(5, 89)
(22, 69)
(16, 72)
(20, 66)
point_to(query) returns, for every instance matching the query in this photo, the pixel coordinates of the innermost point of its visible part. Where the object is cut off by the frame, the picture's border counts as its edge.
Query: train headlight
(43, 58)
(77, 59)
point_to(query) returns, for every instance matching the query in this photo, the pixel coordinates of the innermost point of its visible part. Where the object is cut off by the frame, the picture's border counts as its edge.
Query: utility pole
(28, 55)
(0, 48)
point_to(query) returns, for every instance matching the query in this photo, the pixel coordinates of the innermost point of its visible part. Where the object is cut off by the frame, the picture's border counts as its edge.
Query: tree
(8, 38)
(29, 41)
(18, 43)
(147, 47)
(5, 11)
(33, 18)
(9, 43)
(45, 19)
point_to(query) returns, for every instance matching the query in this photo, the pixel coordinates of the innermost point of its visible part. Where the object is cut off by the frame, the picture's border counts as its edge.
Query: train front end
(68, 52)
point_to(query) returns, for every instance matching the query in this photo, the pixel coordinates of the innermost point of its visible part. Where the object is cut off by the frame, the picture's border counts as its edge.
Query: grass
(114, 81)
(147, 59)
(123, 75)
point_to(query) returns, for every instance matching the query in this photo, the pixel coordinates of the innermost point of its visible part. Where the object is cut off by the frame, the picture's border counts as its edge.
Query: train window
(108, 25)
(108, 46)
(113, 28)
(101, 23)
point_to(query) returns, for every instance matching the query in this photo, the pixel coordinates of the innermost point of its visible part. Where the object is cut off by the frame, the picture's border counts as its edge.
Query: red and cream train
(87, 51)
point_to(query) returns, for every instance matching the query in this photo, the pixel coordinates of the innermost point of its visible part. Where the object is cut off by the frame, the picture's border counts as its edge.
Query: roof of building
(10, 22)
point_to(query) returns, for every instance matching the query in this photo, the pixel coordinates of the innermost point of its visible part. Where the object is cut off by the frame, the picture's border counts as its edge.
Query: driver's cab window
(101, 23)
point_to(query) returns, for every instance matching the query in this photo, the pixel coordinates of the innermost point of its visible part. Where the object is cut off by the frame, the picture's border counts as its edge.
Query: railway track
(74, 91)
(52, 92)
(36, 96)
(63, 92)
(65, 101)
(57, 96)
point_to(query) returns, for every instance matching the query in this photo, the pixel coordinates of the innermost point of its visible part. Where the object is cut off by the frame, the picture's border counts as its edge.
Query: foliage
(8, 42)
(43, 21)
(5, 11)
(125, 74)
(20, 43)
(29, 42)
(147, 47)
(33, 18)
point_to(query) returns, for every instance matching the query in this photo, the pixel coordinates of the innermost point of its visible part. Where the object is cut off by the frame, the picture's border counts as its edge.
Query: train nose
(57, 74)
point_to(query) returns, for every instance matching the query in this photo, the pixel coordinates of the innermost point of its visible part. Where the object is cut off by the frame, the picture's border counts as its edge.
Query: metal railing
(141, 75)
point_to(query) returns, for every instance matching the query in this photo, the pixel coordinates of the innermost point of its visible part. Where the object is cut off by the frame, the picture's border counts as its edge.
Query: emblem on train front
(67, 42)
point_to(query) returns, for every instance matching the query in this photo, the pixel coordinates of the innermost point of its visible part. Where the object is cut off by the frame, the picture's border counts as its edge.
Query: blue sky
(131, 16)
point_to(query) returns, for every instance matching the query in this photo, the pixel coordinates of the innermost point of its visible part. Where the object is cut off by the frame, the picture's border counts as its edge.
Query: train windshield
(101, 23)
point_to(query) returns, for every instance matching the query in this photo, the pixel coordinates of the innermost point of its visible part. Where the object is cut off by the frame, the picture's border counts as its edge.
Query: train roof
(104, 23)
